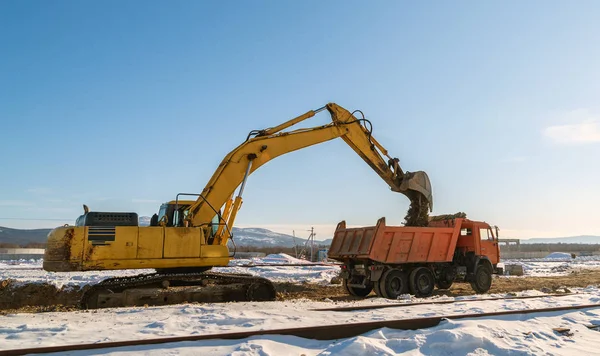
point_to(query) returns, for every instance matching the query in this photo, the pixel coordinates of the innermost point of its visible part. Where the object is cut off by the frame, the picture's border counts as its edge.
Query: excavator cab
(172, 214)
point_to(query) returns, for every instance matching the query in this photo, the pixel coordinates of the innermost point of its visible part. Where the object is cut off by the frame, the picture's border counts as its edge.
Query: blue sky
(121, 105)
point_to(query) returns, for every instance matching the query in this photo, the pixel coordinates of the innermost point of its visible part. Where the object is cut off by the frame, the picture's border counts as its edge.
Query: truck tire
(422, 282)
(357, 291)
(393, 283)
(483, 279)
(377, 288)
(443, 284)
(443, 281)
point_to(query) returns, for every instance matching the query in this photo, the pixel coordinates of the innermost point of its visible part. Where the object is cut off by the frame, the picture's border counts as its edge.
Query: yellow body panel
(150, 242)
(66, 243)
(76, 245)
(182, 242)
(156, 263)
(132, 248)
(123, 247)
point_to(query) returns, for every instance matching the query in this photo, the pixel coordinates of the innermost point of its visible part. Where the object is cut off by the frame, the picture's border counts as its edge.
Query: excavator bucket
(418, 182)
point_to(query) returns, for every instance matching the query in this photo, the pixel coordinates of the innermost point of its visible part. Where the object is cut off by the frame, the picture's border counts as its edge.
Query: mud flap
(376, 273)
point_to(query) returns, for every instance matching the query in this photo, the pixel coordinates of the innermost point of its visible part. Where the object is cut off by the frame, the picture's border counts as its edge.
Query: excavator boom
(264, 145)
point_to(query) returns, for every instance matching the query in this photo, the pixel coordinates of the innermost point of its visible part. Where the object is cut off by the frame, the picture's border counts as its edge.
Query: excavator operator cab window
(163, 211)
(179, 216)
(215, 225)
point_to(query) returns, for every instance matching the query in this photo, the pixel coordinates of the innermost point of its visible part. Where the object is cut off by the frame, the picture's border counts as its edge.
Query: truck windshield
(486, 233)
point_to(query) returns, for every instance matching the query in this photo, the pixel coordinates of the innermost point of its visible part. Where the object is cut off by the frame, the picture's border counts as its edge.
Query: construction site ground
(19, 297)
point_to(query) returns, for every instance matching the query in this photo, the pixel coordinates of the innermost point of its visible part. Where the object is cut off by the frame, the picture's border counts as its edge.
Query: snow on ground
(30, 271)
(555, 264)
(275, 258)
(13, 264)
(524, 334)
(559, 255)
(530, 335)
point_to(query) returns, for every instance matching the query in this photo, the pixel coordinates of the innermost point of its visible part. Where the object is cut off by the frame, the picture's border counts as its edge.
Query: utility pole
(295, 245)
(312, 246)
(309, 242)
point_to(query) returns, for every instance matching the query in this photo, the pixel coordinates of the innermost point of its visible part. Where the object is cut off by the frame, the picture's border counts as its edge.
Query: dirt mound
(18, 295)
(460, 214)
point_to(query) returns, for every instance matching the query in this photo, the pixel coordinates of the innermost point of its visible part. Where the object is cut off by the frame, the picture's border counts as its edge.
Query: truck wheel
(483, 279)
(422, 282)
(393, 283)
(357, 291)
(443, 284)
(443, 281)
(378, 288)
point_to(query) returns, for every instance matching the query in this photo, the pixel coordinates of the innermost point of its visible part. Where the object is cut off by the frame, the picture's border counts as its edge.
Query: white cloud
(40, 190)
(584, 128)
(15, 203)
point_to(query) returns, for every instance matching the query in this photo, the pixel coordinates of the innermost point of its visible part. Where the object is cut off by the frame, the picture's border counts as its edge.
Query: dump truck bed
(395, 244)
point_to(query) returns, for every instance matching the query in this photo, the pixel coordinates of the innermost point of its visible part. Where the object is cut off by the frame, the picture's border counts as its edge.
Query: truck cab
(480, 238)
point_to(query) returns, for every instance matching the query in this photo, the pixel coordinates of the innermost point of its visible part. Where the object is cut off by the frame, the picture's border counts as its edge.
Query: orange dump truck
(396, 260)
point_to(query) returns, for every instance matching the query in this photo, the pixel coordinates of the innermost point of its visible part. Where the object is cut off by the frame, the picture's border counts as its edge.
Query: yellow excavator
(187, 237)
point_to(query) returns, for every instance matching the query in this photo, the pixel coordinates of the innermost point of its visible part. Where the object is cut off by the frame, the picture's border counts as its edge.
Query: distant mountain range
(22, 237)
(255, 237)
(583, 239)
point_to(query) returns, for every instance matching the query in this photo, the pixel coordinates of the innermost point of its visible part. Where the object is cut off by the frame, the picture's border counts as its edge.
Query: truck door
(488, 244)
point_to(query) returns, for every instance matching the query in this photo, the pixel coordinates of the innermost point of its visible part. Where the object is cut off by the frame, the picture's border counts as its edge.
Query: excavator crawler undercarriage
(173, 288)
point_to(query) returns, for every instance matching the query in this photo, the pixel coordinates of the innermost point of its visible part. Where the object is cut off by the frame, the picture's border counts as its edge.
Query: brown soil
(287, 291)
(35, 298)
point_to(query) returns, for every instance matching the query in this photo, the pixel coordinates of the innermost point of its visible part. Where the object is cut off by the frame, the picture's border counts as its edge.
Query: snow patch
(501, 335)
(30, 271)
(559, 255)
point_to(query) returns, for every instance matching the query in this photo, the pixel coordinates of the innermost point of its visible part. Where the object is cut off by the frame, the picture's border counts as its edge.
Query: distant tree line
(557, 247)
(275, 249)
(28, 245)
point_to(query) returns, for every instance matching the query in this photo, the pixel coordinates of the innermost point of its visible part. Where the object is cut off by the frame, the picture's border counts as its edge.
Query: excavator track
(174, 288)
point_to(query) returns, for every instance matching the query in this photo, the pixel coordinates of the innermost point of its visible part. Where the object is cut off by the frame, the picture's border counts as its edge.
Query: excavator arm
(262, 146)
